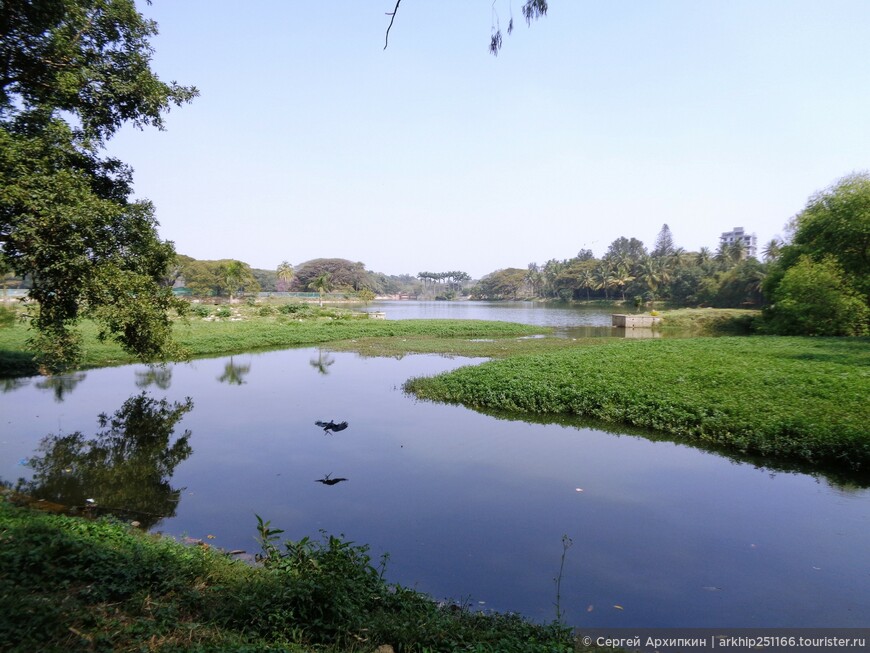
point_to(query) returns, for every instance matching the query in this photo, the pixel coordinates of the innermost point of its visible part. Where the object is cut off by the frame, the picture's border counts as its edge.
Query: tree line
(74, 72)
(814, 281)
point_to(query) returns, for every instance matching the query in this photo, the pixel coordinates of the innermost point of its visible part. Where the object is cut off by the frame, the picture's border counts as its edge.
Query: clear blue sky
(607, 118)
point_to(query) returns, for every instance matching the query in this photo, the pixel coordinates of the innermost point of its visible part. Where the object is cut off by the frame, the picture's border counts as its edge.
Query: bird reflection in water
(329, 481)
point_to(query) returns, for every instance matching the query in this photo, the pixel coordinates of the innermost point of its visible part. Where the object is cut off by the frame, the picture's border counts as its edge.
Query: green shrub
(223, 312)
(291, 309)
(814, 298)
(200, 310)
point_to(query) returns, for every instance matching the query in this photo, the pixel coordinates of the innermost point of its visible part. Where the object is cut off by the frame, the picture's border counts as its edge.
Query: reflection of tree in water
(159, 375)
(8, 385)
(234, 374)
(61, 384)
(125, 469)
(322, 363)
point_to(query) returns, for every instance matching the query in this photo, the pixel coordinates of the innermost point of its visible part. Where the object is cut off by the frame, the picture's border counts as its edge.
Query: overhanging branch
(392, 18)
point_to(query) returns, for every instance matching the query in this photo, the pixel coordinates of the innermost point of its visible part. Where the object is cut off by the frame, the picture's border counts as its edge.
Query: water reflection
(843, 480)
(326, 480)
(157, 375)
(8, 385)
(61, 384)
(234, 374)
(322, 363)
(125, 469)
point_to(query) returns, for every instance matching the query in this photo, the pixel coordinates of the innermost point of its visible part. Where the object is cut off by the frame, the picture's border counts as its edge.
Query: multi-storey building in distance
(750, 242)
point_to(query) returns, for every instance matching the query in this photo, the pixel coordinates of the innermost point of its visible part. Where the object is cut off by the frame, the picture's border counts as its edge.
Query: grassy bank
(247, 330)
(75, 584)
(709, 321)
(804, 399)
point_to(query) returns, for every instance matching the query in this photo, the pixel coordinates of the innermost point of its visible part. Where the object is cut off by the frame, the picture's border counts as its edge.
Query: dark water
(469, 506)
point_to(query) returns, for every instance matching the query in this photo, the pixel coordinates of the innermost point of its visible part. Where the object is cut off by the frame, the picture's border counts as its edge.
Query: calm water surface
(470, 507)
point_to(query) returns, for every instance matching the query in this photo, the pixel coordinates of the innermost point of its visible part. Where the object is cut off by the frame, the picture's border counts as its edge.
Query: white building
(750, 241)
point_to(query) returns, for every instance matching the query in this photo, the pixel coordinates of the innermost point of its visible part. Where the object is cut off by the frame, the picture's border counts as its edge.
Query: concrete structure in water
(623, 321)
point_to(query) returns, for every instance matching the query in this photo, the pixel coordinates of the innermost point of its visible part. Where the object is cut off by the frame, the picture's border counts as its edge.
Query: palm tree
(771, 250)
(604, 277)
(285, 274)
(653, 274)
(736, 252)
(587, 280)
(322, 284)
(620, 278)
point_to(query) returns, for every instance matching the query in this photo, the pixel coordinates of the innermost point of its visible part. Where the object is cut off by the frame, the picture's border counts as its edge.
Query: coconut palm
(704, 256)
(285, 274)
(771, 250)
(620, 278)
(587, 280)
(604, 277)
(322, 284)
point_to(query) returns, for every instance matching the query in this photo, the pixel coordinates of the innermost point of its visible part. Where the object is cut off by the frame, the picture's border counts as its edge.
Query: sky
(606, 118)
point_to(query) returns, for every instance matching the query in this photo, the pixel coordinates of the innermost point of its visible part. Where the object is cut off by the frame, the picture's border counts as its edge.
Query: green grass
(75, 584)
(204, 337)
(710, 321)
(801, 399)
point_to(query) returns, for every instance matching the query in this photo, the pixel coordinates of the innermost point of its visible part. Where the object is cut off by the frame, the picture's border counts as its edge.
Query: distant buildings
(750, 241)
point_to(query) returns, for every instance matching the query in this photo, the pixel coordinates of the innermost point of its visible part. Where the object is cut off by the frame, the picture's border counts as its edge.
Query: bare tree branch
(392, 18)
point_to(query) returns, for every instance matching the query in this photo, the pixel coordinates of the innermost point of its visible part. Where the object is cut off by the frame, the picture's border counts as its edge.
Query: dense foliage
(72, 72)
(75, 584)
(820, 284)
(794, 398)
(226, 277)
(627, 272)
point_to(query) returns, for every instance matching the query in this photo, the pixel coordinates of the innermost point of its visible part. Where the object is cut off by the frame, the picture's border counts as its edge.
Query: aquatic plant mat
(803, 399)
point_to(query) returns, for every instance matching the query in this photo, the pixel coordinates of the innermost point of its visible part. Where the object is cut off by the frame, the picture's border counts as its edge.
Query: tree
(322, 284)
(237, 277)
(285, 275)
(836, 223)
(225, 277)
(664, 243)
(532, 10)
(344, 274)
(501, 284)
(830, 243)
(72, 72)
(626, 250)
(620, 278)
(771, 250)
(587, 280)
(815, 298)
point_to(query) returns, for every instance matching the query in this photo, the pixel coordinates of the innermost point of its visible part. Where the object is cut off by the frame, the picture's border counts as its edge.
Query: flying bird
(331, 426)
(329, 481)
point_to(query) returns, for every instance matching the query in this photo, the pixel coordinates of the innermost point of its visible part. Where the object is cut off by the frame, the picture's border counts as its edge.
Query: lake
(470, 507)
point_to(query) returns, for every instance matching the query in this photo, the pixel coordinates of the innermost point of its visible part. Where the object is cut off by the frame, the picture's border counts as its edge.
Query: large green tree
(830, 245)
(72, 72)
